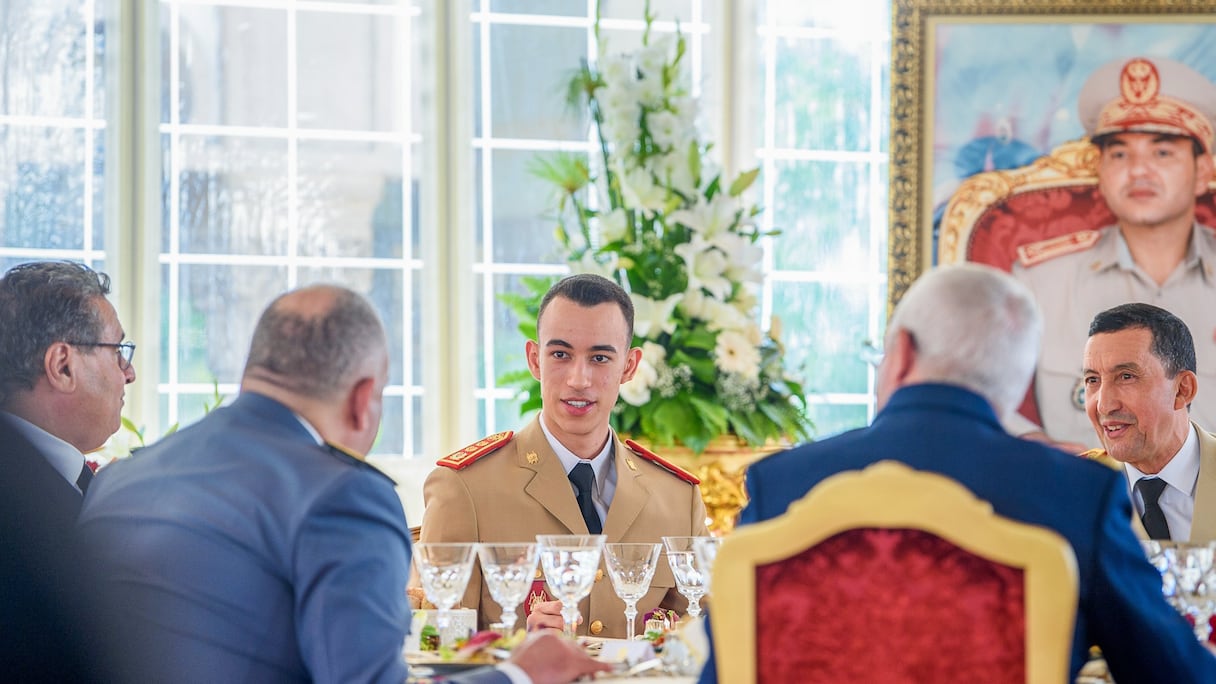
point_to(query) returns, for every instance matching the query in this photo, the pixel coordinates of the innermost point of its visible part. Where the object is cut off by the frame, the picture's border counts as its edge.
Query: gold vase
(721, 469)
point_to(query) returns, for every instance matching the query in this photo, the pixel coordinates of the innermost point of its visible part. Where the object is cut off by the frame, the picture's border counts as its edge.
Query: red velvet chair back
(893, 575)
(890, 605)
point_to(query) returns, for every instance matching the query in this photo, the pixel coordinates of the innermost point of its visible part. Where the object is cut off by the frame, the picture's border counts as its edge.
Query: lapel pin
(533, 459)
(629, 462)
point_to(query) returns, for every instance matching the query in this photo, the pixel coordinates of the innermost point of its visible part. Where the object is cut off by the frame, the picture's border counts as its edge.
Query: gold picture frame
(992, 34)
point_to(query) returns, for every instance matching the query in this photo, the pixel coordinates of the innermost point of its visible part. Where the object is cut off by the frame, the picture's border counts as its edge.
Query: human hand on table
(550, 658)
(547, 615)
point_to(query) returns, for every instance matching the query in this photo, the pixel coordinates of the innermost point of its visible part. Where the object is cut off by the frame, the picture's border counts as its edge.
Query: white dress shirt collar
(1178, 499)
(604, 465)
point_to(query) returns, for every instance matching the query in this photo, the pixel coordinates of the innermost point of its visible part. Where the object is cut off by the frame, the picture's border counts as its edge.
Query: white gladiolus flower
(652, 317)
(588, 264)
(744, 257)
(650, 91)
(613, 225)
(665, 129)
(641, 191)
(735, 354)
(617, 70)
(637, 390)
(706, 267)
(652, 58)
(673, 168)
(711, 219)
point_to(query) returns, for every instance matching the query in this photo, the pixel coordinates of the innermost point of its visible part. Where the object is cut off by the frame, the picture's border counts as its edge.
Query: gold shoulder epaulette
(668, 466)
(458, 460)
(1102, 457)
(1046, 250)
(346, 450)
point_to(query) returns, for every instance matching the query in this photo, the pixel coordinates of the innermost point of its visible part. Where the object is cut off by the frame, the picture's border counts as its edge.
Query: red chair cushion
(892, 606)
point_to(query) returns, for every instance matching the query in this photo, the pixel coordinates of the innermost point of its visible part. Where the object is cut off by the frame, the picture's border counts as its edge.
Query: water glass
(507, 570)
(1191, 566)
(631, 568)
(690, 577)
(706, 550)
(570, 562)
(444, 569)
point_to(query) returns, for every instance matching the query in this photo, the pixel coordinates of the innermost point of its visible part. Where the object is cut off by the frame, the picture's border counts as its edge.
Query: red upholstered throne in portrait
(991, 214)
(893, 575)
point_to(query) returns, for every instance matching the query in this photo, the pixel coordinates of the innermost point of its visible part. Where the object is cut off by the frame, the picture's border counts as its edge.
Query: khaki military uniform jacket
(1073, 287)
(1203, 518)
(521, 490)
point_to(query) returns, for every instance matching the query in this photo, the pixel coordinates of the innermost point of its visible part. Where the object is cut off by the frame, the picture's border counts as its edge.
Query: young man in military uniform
(511, 487)
(1152, 120)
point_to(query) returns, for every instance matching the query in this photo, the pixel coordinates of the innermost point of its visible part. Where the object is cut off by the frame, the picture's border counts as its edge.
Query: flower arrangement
(656, 216)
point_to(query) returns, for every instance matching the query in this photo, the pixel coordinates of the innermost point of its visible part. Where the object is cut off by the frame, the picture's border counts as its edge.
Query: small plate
(437, 665)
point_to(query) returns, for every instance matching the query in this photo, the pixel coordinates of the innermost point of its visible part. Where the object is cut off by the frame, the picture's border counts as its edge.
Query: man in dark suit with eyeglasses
(64, 368)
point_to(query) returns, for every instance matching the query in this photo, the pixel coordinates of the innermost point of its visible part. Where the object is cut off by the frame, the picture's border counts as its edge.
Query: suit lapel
(549, 485)
(1203, 519)
(630, 496)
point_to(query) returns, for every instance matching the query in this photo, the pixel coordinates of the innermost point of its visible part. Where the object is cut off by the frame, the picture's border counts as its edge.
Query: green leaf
(131, 427)
(743, 182)
(566, 170)
(712, 414)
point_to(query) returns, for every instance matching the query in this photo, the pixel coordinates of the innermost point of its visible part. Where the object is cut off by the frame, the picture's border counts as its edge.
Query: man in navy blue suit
(257, 545)
(960, 350)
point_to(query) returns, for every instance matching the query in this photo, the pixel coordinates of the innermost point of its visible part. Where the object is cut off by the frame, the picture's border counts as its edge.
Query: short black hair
(1172, 342)
(589, 289)
(41, 303)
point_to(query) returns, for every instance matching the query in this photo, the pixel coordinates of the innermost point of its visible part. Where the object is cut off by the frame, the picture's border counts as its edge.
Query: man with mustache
(1139, 383)
(1152, 122)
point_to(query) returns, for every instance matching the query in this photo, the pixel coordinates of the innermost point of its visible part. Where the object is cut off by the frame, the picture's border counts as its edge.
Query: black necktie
(1154, 518)
(583, 478)
(84, 478)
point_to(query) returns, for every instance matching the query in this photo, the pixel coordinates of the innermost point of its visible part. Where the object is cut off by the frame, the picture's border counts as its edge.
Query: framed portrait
(983, 85)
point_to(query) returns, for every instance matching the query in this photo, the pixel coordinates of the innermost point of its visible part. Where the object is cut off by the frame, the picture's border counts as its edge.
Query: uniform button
(599, 574)
(597, 627)
(540, 574)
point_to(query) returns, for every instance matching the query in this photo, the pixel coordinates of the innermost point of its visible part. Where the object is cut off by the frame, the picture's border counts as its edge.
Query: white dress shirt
(604, 465)
(1178, 498)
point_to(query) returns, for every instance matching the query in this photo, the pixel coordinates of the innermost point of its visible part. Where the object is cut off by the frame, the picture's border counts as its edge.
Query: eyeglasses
(126, 350)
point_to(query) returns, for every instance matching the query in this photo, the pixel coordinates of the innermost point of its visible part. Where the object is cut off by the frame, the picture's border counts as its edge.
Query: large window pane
(232, 65)
(823, 212)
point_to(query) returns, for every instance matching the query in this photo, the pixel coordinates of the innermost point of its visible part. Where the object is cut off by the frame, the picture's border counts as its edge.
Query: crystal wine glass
(690, 578)
(444, 569)
(570, 562)
(1191, 566)
(631, 568)
(507, 570)
(706, 550)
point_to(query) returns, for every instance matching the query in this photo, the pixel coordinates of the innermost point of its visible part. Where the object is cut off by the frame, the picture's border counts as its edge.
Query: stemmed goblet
(570, 562)
(706, 550)
(1191, 567)
(631, 568)
(690, 577)
(507, 570)
(444, 568)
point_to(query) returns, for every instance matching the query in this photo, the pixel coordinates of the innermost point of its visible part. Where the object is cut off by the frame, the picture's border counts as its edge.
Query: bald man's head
(316, 340)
